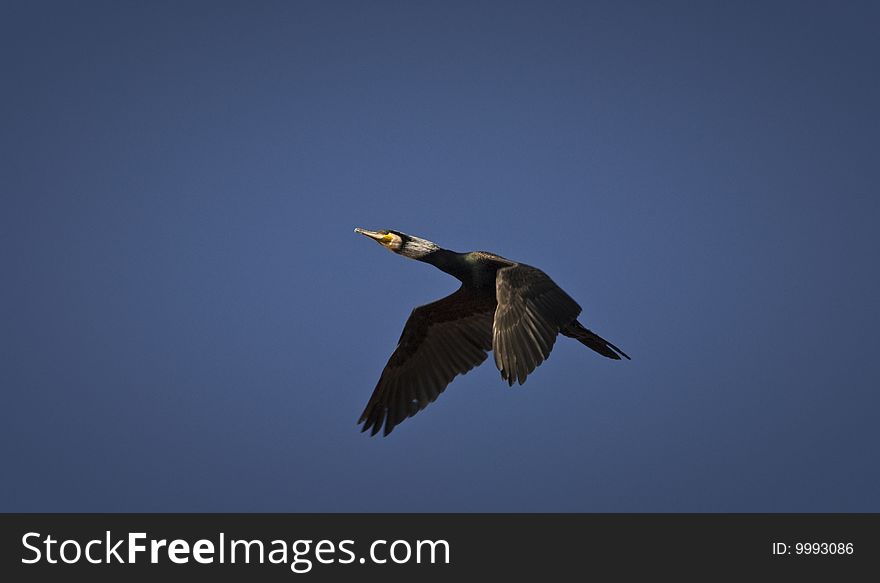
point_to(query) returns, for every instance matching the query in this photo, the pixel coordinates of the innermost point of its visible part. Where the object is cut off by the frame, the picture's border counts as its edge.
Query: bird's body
(512, 309)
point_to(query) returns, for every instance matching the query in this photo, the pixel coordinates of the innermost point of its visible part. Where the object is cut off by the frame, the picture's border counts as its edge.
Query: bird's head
(401, 243)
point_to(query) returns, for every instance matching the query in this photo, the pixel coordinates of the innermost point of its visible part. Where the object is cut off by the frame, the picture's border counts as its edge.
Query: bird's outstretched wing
(440, 340)
(531, 311)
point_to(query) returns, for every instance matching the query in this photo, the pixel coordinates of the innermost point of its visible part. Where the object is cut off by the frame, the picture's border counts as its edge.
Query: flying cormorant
(512, 309)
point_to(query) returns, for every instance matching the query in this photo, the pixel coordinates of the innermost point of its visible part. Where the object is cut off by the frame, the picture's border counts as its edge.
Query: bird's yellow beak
(380, 237)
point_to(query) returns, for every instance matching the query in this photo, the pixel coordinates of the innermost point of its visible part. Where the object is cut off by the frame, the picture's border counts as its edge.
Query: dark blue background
(189, 322)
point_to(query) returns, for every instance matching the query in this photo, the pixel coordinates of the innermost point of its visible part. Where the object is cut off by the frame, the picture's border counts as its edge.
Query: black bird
(512, 309)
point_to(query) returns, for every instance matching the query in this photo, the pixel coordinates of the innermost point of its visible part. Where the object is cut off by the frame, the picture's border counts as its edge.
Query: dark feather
(592, 340)
(440, 341)
(531, 311)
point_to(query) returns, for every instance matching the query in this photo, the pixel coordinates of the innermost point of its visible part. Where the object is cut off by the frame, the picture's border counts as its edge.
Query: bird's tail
(592, 340)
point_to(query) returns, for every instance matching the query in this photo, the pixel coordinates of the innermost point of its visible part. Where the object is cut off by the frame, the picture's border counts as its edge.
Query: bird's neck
(455, 264)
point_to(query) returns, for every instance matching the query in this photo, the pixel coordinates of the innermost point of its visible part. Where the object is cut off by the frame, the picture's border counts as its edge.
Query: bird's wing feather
(531, 311)
(439, 341)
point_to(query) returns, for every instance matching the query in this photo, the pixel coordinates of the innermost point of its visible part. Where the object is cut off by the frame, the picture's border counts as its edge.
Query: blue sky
(190, 323)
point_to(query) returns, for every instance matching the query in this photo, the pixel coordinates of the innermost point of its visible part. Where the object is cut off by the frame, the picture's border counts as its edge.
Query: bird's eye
(387, 238)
